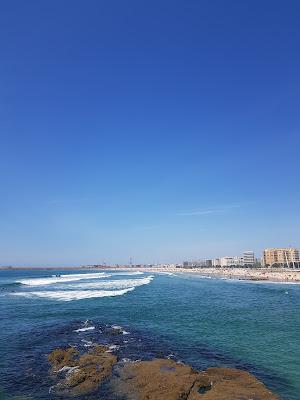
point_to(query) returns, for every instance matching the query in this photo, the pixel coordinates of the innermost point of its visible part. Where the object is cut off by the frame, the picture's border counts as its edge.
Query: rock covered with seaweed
(82, 374)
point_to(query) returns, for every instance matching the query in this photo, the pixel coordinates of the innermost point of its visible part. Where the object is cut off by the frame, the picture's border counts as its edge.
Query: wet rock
(158, 379)
(80, 375)
(168, 380)
(234, 384)
(115, 330)
(60, 358)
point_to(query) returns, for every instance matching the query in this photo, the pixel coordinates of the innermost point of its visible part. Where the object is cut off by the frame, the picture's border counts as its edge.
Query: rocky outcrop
(168, 380)
(158, 379)
(235, 384)
(60, 358)
(78, 375)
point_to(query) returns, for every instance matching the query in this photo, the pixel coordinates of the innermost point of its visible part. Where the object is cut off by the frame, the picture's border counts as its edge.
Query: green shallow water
(208, 322)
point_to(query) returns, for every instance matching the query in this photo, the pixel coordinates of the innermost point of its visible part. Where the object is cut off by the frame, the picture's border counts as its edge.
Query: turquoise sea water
(200, 321)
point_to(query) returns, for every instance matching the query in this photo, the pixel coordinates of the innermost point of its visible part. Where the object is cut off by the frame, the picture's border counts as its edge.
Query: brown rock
(165, 379)
(159, 379)
(231, 384)
(60, 358)
(82, 375)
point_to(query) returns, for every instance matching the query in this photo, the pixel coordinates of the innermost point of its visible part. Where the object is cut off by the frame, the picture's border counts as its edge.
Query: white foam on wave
(166, 273)
(87, 343)
(68, 370)
(62, 278)
(267, 282)
(127, 272)
(119, 328)
(70, 295)
(88, 328)
(113, 347)
(112, 284)
(203, 276)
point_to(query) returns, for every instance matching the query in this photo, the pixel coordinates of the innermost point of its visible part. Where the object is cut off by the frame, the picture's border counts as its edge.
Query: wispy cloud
(208, 211)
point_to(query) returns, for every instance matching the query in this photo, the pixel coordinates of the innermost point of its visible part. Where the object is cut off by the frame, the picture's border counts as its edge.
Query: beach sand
(283, 275)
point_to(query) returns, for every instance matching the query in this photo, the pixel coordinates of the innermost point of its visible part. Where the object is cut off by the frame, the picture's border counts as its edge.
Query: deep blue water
(203, 322)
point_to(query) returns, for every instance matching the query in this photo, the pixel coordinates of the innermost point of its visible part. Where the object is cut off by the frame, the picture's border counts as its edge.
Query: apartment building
(288, 257)
(197, 264)
(249, 259)
(231, 261)
(216, 262)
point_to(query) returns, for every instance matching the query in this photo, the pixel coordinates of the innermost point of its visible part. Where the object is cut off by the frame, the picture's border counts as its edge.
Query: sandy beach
(249, 274)
(276, 275)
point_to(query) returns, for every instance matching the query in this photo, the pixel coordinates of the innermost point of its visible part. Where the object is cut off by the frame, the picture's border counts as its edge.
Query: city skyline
(158, 131)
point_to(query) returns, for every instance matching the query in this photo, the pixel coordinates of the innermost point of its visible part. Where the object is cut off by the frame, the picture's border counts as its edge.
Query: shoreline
(269, 275)
(45, 268)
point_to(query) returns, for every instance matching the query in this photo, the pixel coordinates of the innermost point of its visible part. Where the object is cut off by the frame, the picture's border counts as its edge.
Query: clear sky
(158, 130)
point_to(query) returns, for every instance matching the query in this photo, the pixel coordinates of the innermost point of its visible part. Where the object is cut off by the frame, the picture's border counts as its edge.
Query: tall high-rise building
(249, 259)
(281, 256)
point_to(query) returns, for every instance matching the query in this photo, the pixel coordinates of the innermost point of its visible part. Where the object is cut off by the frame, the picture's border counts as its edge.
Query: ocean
(201, 321)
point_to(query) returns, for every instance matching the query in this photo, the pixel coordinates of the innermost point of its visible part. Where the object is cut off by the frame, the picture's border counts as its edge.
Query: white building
(249, 259)
(216, 262)
(246, 260)
(231, 261)
(195, 264)
(226, 261)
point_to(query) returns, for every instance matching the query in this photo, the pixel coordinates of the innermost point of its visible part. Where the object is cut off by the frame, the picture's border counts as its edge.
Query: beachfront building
(231, 261)
(281, 257)
(197, 264)
(249, 259)
(216, 262)
(226, 262)
(209, 263)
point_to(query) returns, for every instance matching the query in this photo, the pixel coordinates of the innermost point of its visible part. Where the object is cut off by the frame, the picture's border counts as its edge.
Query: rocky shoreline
(88, 360)
(76, 374)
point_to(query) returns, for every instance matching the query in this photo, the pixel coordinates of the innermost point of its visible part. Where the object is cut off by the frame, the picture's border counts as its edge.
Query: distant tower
(130, 262)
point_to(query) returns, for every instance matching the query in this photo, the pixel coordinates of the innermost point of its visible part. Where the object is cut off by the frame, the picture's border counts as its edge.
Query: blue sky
(161, 131)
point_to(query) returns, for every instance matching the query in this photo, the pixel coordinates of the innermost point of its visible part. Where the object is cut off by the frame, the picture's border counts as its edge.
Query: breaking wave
(112, 284)
(70, 295)
(62, 278)
(166, 273)
(70, 287)
(87, 328)
(128, 272)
